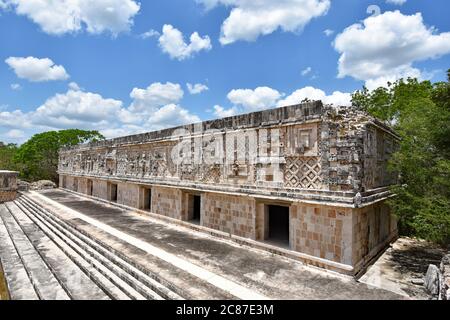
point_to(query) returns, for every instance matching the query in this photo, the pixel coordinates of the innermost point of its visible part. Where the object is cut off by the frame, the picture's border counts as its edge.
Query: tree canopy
(37, 159)
(420, 112)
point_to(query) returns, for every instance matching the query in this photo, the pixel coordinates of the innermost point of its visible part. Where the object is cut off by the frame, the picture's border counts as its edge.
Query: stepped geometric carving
(303, 172)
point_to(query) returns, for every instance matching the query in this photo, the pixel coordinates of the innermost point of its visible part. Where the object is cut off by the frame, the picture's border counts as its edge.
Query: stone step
(44, 281)
(19, 284)
(131, 286)
(102, 277)
(151, 281)
(75, 282)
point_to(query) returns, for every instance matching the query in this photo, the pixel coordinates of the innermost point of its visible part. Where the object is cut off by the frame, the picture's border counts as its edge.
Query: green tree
(37, 159)
(420, 113)
(7, 152)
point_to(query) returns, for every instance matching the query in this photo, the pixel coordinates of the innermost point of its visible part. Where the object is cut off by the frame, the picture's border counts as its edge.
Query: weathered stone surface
(432, 280)
(445, 276)
(42, 185)
(8, 185)
(23, 185)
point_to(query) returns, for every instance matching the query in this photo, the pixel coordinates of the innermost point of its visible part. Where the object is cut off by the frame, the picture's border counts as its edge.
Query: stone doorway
(89, 187)
(112, 192)
(194, 208)
(146, 199)
(278, 225)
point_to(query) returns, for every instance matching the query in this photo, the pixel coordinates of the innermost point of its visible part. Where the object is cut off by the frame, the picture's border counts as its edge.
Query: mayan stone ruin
(8, 185)
(307, 179)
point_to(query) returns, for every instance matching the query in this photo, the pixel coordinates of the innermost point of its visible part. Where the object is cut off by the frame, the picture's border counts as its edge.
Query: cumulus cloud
(77, 109)
(169, 116)
(250, 19)
(328, 32)
(384, 47)
(156, 95)
(252, 100)
(154, 108)
(246, 100)
(66, 16)
(74, 86)
(337, 98)
(150, 34)
(221, 112)
(172, 42)
(196, 88)
(15, 134)
(36, 70)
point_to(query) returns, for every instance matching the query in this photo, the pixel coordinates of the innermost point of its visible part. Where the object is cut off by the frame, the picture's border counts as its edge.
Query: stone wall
(100, 189)
(128, 194)
(290, 152)
(322, 231)
(373, 228)
(230, 214)
(8, 185)
(168, 202)
(444, 291)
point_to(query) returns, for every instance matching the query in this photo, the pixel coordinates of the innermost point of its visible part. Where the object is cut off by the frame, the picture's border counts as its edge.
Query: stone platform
(120, 243)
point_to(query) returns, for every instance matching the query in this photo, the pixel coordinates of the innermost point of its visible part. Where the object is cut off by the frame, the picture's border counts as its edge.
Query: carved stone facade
(327, 167)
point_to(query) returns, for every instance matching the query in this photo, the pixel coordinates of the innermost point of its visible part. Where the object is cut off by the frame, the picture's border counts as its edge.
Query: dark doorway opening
(90, 187)
(195, 209)
(147, 201)
(113, 192)
(75, 184)
(278, 225)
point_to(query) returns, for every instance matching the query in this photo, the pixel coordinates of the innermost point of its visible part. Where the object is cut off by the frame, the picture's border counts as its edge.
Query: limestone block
(432, 280)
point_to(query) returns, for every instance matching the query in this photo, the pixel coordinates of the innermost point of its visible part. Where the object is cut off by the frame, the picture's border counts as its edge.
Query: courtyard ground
(405, 262)
(205, 267)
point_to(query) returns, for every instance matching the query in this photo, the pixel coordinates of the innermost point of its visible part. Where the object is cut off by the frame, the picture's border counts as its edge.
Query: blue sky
(122, 66)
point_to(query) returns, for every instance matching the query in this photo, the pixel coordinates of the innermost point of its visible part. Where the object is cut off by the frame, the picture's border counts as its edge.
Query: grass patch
(4, 295)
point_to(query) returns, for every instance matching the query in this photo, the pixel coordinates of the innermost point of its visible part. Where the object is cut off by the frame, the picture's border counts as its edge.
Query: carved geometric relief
(303, 172)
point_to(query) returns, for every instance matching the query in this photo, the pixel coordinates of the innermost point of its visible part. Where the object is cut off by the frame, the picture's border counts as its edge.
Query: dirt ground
(406, 260)
(3, 288)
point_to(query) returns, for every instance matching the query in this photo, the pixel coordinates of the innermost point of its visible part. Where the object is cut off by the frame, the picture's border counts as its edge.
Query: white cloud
(66, 16)
(172, 42)
(246, 100)
(221, 112)
(170, 115)
(153, 108)
(396, 2)
(15, 134)
(196, 88)
(306, 71)
(328, 32)
(77, 109)
(150, 34)
(251, 100)
(16, 86)
(337, 98)
(74, 86)
(385, 47)
(15, 119)
(250, 19)
(37, 70)
(155, 96)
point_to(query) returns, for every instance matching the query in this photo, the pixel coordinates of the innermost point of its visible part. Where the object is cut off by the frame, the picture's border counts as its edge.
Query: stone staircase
(44, 257)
